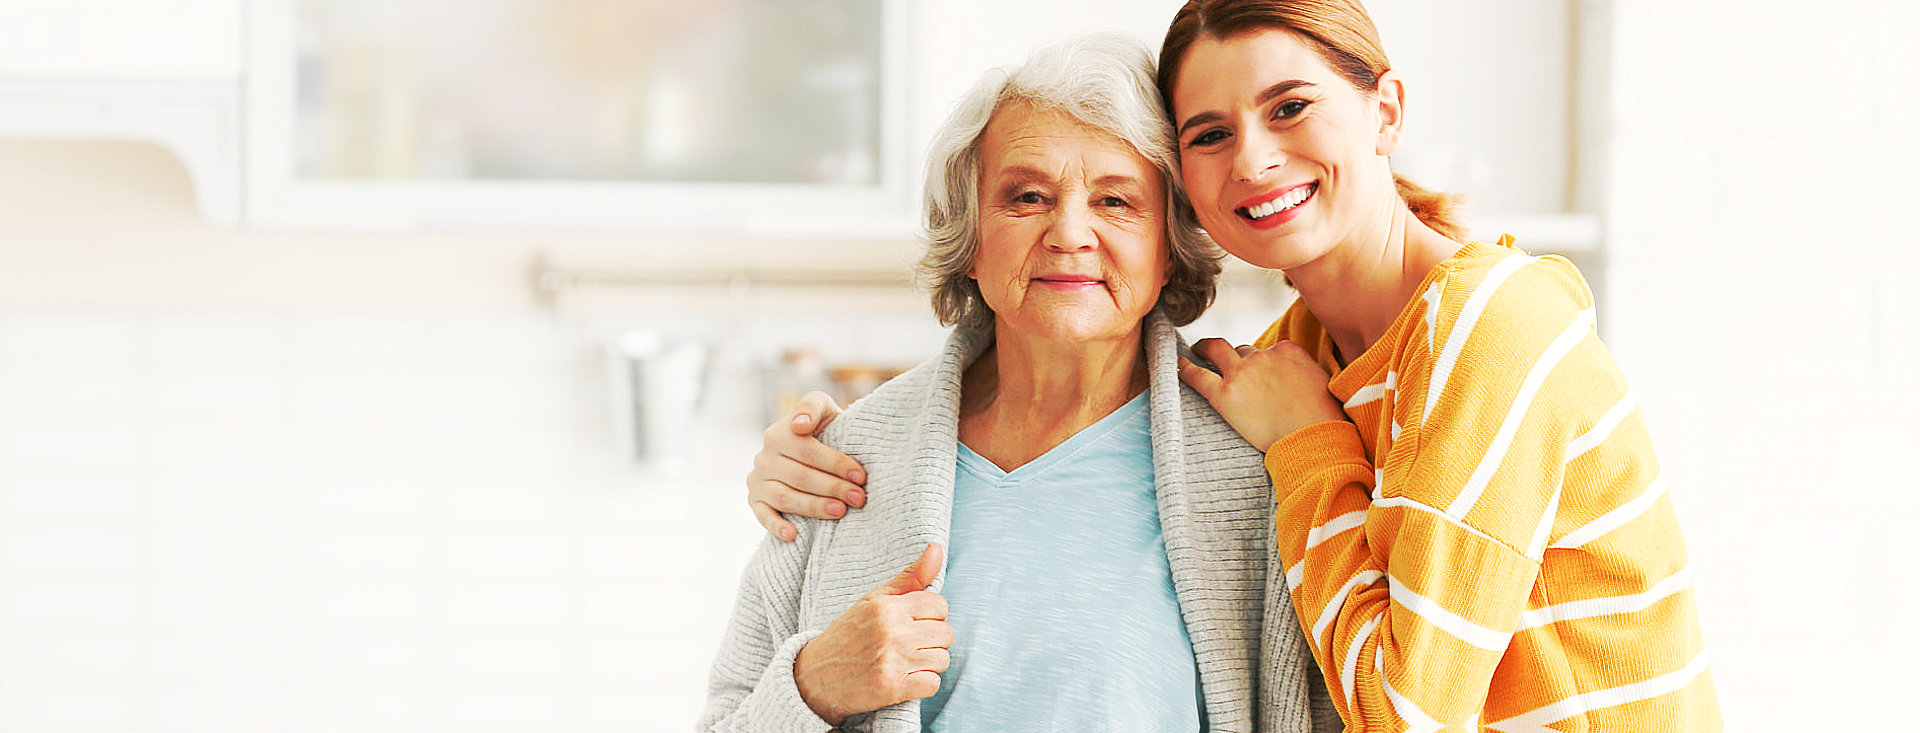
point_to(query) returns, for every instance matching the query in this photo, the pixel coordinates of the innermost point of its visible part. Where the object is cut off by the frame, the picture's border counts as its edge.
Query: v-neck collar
(986, 470)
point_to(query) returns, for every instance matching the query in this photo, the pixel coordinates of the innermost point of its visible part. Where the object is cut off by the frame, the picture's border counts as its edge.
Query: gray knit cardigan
(1216, 509)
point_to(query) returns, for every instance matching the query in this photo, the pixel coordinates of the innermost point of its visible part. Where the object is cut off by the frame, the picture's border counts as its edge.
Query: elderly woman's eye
(1030, 197)
(1113, 201)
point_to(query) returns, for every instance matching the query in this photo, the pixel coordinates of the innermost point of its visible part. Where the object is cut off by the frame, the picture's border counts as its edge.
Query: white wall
(1761, 296)
(258, 482)
(118, 39)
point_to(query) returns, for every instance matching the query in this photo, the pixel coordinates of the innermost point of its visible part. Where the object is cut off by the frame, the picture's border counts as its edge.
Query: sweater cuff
(1312, 449)
(775, 704)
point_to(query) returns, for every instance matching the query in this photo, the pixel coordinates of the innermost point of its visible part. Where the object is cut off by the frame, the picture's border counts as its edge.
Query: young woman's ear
(1391, 96)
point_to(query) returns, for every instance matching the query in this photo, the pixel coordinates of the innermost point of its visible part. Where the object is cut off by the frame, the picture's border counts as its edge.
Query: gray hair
(1105, 80)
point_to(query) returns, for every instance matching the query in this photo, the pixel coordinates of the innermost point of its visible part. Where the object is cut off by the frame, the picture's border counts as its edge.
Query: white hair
(1104, 80)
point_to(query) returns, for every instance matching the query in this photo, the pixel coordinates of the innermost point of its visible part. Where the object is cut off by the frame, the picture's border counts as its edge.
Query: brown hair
(1341, 32)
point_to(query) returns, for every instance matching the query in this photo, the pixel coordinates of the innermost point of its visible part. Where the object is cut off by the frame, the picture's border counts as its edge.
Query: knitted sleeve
(751, 686)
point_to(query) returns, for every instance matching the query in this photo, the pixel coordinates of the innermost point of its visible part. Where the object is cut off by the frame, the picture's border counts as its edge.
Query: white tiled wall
(384, 522)
(1762, 297)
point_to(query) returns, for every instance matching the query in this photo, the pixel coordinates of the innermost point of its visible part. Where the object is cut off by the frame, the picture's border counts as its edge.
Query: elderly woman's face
(1072, 227)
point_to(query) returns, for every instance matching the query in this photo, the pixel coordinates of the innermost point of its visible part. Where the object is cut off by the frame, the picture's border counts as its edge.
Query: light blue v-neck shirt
(1060, 595)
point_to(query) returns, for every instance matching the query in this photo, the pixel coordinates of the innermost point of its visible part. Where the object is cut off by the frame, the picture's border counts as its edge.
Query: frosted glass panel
(710, 91)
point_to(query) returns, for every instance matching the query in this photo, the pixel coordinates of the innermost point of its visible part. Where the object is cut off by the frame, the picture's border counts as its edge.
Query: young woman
(1468, 502)
(1468, 505)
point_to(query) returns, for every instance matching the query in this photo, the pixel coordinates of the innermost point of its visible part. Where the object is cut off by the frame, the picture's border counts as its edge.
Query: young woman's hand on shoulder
(795, 473)
(1265, 394)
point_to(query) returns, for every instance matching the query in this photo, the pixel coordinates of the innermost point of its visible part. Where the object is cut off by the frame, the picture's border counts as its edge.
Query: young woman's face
(1281, 157)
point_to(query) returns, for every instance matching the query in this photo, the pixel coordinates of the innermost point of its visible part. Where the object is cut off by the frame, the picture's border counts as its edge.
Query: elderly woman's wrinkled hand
(1265, 394)
(888, 647)
(796, 473)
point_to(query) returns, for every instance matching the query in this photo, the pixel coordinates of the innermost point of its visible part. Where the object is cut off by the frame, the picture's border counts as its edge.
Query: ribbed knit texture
(1489, 544)
(1215, 511)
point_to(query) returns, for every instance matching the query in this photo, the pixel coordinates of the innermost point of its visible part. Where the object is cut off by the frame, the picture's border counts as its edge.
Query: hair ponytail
(1439, 211)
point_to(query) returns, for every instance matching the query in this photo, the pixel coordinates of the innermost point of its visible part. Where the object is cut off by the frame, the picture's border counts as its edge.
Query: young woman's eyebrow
(1276, 90)
(1265, 95)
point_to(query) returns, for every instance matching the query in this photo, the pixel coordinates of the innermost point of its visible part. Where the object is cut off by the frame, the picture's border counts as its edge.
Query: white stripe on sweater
(1591, 607)
(1373, 392)
(1332, 610)
(1540, 718)
(1409, 711)
(1445, 620)
(1538, 546)
(1401, 501)
(1614, 519)
(1602, 429)
(1463, 328)
(1432, 315)
(1317, 535)
(1335, 526)
(1517, 411)
(1353, 659)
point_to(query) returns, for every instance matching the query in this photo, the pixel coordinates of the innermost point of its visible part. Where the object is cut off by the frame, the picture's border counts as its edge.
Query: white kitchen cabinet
(1502, 106)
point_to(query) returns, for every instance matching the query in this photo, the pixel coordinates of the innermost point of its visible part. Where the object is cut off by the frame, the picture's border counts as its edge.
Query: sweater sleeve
(751, 686)
(1410, 573)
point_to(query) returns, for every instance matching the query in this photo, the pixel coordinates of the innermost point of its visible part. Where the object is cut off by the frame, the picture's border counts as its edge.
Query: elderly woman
(1050, 449)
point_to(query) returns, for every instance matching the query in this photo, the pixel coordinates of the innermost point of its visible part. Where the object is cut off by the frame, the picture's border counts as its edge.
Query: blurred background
(394, 366)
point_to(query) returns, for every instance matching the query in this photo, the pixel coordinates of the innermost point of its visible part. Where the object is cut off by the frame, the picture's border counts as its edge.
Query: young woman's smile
(1271, 209)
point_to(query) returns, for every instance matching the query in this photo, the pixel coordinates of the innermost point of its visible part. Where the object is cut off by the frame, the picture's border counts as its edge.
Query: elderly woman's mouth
(1069, 282)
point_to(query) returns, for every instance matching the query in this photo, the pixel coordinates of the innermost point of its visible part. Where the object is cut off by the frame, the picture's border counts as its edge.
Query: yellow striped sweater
(1489, 544)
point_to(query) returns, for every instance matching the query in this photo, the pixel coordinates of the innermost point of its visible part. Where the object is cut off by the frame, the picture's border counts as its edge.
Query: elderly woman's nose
(1071, 228)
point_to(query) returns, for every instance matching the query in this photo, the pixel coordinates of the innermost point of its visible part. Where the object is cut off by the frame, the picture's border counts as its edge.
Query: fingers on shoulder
(812, 412)
(1216, 350)
(812, 453)
(1290, 350)
(775, 524)
(1198, 377)
(778, 493)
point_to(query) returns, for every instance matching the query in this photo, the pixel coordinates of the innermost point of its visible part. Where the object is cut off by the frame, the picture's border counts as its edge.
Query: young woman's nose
(1256, 152)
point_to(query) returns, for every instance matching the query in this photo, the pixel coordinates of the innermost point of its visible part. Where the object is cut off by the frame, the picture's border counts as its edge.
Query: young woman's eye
(1207, 138)
(1290, 109)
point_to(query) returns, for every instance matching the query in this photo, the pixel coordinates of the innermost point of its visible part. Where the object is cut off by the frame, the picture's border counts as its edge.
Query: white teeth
(1280, 204)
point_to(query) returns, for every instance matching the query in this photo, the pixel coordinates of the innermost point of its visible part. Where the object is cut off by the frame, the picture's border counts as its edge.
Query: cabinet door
(640, 115)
